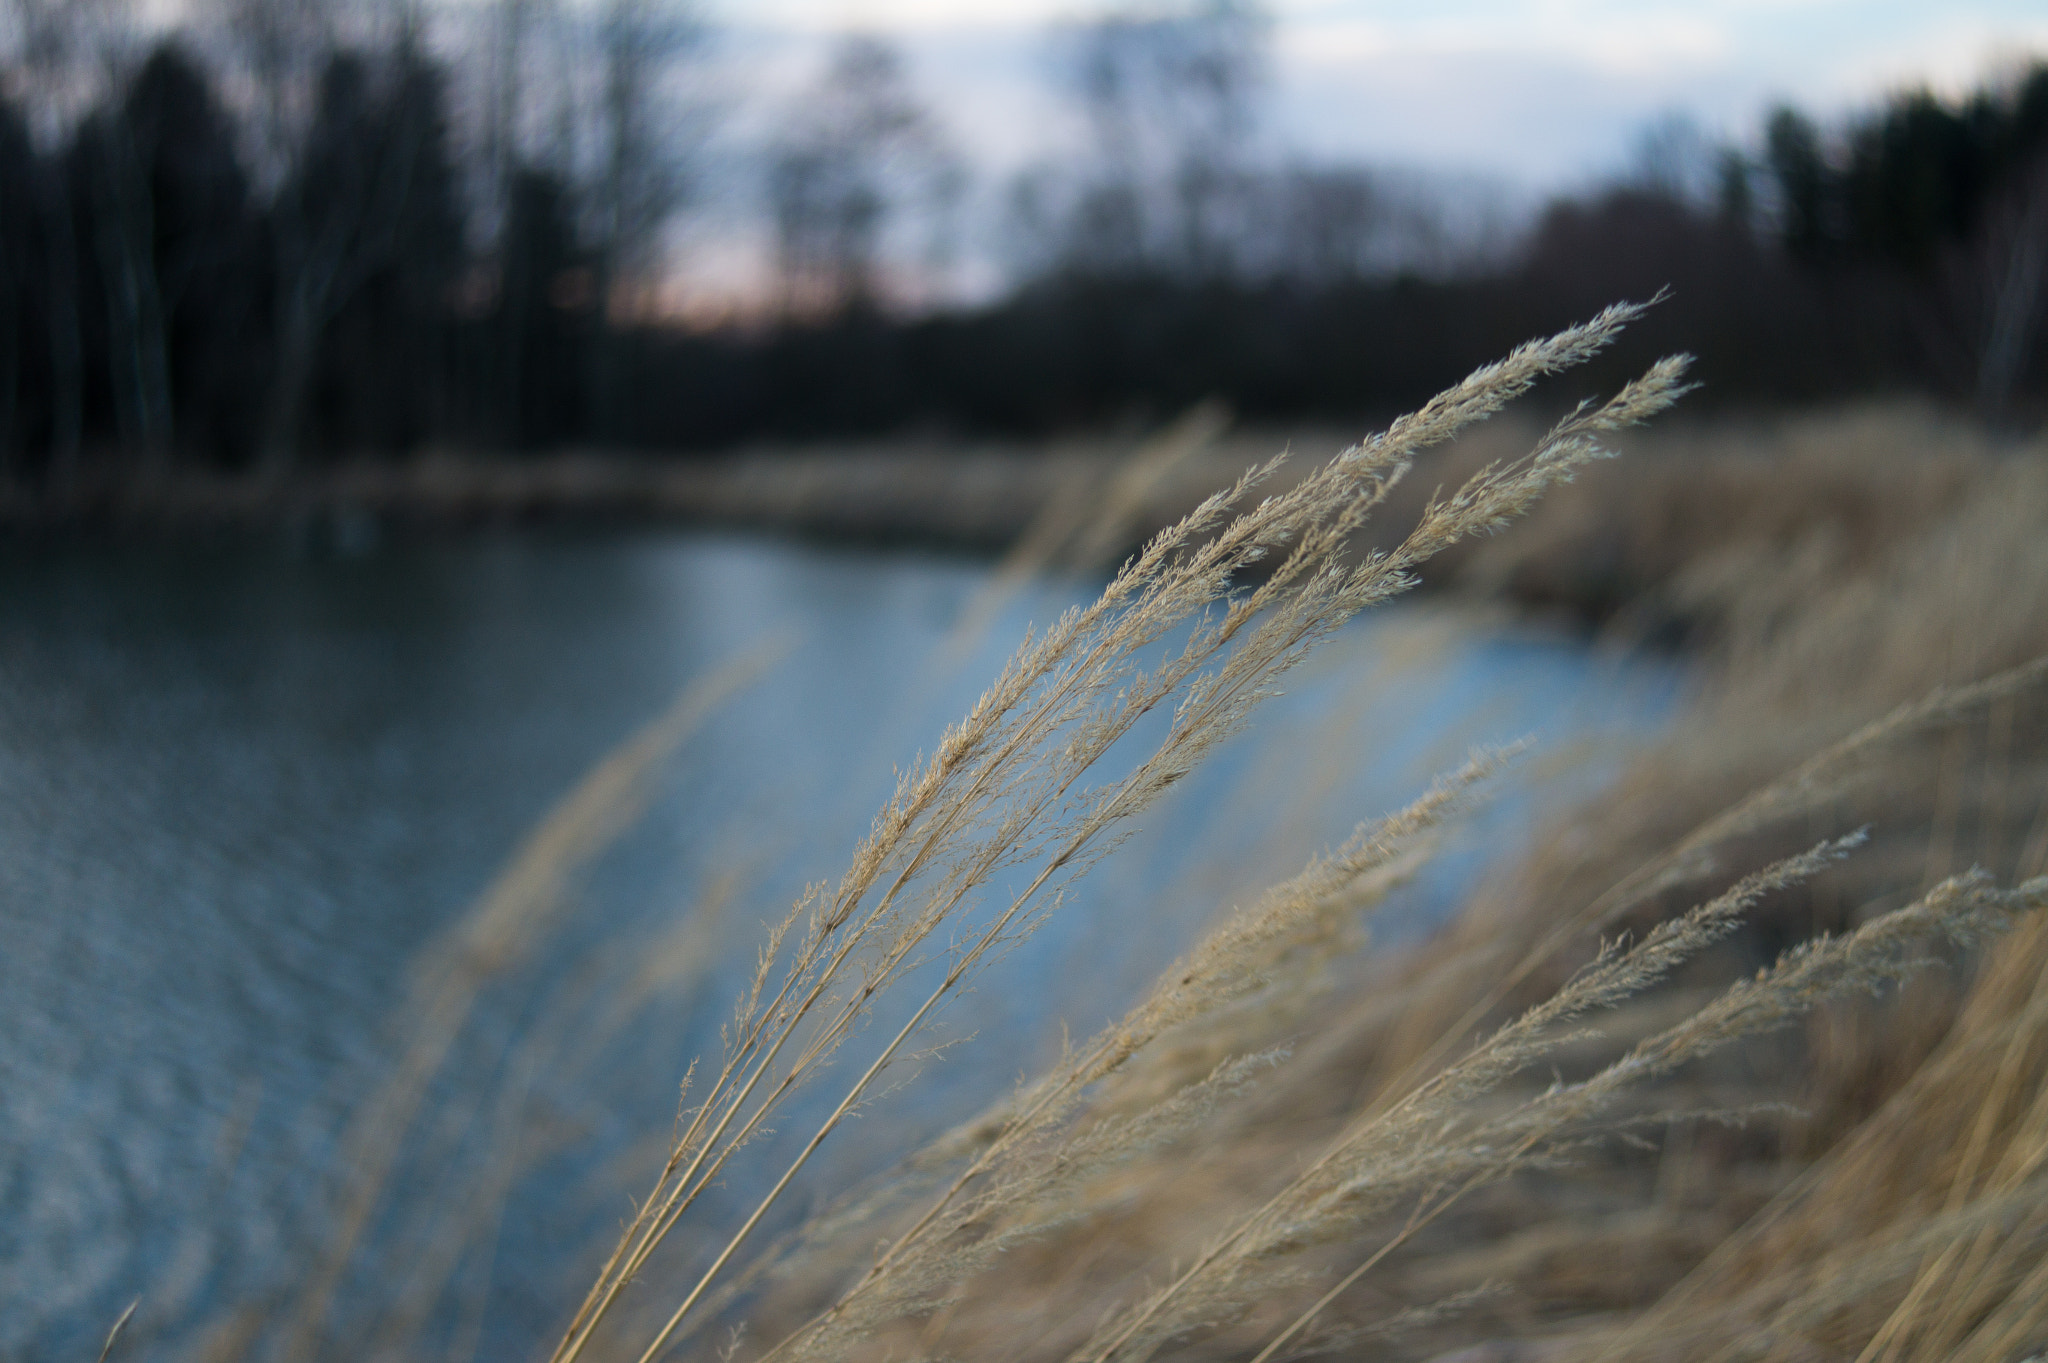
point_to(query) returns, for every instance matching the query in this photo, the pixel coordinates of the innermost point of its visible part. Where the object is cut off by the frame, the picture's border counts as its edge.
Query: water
(242, 787)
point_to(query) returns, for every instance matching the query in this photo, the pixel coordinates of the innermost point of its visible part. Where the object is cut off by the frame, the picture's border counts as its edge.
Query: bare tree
(645, 130)
(1674, 158)
(508, 88)
(63, 51)
(344, 138)
(587, 113)
(118, 151)
(17, 255)
(1170, 98)
(642, 163)
(1333, 223)
(1801, 181)
(124, 232)
(279, 46)
(2015, 247)
(858, 149)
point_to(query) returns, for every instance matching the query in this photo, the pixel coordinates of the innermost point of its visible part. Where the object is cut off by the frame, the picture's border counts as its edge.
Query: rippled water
(241, 787)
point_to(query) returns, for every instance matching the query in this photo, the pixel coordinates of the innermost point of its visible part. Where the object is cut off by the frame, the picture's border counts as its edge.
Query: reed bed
(1854, 1185)
(1724, 1069)
(1011, 785)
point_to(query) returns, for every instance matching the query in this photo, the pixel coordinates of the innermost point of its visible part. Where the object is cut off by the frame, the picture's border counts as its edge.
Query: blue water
(242, 787)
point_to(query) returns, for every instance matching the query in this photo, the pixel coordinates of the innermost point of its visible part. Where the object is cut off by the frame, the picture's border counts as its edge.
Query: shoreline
(1627, 546)
(976, 497)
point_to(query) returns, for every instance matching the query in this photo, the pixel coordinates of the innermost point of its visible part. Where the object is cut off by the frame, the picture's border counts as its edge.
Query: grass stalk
(1006, 787)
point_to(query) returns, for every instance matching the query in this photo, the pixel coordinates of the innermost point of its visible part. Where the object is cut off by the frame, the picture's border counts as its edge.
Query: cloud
(1540, 92)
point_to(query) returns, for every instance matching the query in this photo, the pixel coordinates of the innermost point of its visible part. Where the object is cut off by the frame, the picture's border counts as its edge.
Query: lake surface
(243, 787)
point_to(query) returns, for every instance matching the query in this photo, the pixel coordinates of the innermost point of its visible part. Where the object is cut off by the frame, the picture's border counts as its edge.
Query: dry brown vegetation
(1844, 1171)
(1860, 1183)
(1748, 1059)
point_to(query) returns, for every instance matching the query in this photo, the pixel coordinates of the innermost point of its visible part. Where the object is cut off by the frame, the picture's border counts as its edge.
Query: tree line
(290, 232)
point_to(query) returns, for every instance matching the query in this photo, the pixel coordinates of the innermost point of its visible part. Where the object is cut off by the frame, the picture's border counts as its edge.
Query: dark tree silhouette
(859, 150)
(1804, 182)
(546, 305)
(394, 189)
(195, 248)
(361, 255)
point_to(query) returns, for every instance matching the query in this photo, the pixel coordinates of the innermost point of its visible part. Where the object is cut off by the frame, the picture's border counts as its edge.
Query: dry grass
(1407, 1180)
(1700, 530)
(1011, 786)
(1864, 1185)
(1722, 1070)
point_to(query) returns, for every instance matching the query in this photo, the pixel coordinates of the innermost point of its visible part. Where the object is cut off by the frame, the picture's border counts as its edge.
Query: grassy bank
(1859, 1177)
(1742, 1060)
(1656, 544)
(1862, 1181)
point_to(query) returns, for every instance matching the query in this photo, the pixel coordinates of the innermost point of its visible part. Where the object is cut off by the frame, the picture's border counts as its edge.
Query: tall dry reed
(1116, 1188)
(1010, 787)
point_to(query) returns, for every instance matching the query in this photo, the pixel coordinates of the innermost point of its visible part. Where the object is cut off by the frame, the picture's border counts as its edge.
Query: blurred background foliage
(261, 235)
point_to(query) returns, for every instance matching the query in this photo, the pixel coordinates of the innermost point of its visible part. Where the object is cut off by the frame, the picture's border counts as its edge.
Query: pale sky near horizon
(1542, 95)
(1519, 101)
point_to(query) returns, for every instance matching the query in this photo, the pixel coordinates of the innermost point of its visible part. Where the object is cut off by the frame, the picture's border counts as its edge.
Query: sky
(1543, 94)
(1504, 103)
